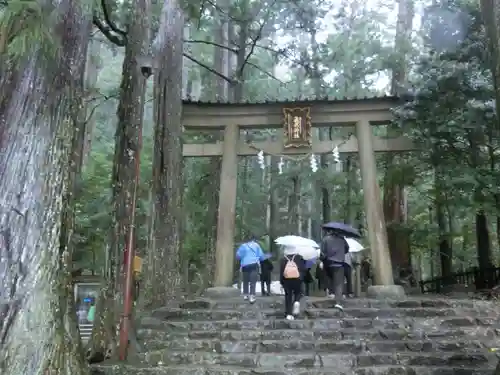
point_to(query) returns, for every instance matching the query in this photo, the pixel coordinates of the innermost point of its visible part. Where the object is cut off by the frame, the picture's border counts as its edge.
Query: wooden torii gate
(297, 119)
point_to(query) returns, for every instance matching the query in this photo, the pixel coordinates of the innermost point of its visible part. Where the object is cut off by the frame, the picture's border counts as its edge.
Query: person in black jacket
(266, 268)
(292, 271)
(333, 250)
(308, 278)
(321, 278)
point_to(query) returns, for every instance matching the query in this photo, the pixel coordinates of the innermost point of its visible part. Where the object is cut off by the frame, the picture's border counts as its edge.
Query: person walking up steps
(292, 270)
(333, 250)
(348, 275)
(308, 279)
(250, 255)
(266, 269)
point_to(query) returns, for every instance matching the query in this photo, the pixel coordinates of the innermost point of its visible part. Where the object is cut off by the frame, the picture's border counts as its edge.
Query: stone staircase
(371, 337)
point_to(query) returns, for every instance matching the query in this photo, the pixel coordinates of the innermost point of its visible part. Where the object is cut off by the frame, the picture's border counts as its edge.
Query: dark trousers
(336, 282)
(322, 279)
(308, 280)
(348, 279)
(265, 283)
(293, 292)
(250, 276)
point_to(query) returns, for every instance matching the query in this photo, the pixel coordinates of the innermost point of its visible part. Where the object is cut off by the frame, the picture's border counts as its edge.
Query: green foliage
(28, 26)
(451, 118)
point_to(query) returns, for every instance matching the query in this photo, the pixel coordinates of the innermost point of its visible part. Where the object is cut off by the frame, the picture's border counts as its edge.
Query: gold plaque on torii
(297, 127)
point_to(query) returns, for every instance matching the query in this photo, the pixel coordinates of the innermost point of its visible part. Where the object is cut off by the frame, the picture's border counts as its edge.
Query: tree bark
(445, 248)
(293, 205)
(491, 16)
(274, 206)
(127, 150)
(221, 64)
(39, 107)
(163, 277)
(484, 254)
(483, 248)
(349, 213)
(92, 68)
(394, 194)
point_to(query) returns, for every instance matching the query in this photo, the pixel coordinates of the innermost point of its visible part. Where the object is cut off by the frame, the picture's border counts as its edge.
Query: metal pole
(431, 245)
(128, 267)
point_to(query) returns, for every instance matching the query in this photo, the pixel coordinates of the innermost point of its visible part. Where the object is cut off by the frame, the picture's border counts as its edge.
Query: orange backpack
(291, 270)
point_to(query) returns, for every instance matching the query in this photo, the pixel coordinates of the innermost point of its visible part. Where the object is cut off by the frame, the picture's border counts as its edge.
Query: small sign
(297, 127)
(137, 264)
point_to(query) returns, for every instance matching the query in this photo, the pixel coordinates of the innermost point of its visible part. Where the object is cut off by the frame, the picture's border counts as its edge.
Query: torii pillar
(224, 249)
(377, 232)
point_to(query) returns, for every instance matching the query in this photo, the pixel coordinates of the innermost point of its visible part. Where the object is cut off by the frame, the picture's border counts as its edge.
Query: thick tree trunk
(163, 277)
(274, 208)
(348, 206)
(326, 209)
(445, 248)
(38, 108)
(491, 16)
(394, 191)
(221, 64)
(267, 189)
(127, 150)
(483, 247)
(484, 255)
(91, 74)
(293, 206)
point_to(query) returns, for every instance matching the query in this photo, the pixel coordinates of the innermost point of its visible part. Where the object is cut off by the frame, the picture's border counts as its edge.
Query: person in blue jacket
(250, 255)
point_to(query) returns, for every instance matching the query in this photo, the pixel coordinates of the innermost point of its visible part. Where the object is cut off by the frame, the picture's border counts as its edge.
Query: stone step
(411, 324)
(252, 312)
(277, 302)
(106, 369)
(485, 334)
(414, 370)
(340, 361)
(318, 346)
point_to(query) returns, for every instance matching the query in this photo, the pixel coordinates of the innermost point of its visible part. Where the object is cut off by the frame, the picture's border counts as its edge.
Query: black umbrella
(344, 229)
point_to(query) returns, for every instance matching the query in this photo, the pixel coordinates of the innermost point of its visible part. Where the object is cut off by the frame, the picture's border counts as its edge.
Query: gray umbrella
(344, 229)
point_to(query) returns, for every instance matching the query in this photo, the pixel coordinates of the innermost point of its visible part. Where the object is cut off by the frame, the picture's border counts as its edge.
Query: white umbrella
(307, 252)
(354, 246)
(295, 241)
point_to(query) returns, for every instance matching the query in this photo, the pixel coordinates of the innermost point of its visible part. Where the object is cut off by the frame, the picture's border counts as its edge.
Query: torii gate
(296, 118)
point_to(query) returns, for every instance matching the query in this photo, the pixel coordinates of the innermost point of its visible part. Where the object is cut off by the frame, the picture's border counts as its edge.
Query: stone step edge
(351, 331)
(339, 342)
(346, 310)
(468, 353)
(434, 299)
(443, 319)
(141, 367)
(312, 308)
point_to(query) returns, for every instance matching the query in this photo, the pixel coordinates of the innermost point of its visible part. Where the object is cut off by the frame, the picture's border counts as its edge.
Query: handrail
(485, 278)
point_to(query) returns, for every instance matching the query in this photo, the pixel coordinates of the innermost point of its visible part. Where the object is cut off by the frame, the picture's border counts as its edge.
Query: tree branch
(265, 72)
(212, 44)
(222, 11)
(211, 70)
(281, 53)
(108, 33)
(258, 36)
(252, 48)
(110, 22)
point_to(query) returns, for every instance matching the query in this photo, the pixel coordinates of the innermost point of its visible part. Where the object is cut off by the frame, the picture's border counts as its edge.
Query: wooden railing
(481, 278)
